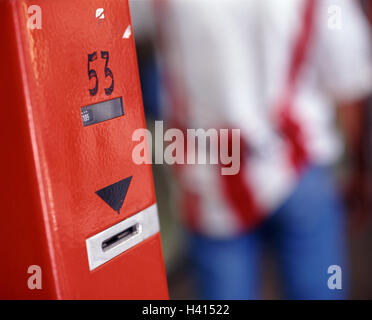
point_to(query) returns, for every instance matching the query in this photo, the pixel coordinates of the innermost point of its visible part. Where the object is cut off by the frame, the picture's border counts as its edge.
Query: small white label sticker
(127, 33)
(100, 14)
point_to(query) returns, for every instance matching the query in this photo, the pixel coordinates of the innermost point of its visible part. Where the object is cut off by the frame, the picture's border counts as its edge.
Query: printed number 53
(93, 74)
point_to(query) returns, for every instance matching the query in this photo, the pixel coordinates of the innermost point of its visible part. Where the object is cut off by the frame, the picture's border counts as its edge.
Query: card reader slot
(115, 240)
(120, 237)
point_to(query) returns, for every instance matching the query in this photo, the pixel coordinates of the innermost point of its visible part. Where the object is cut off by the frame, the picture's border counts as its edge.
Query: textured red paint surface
(52, 165)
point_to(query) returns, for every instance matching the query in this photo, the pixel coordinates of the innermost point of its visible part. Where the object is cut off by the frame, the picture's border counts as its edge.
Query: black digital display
(102, 111)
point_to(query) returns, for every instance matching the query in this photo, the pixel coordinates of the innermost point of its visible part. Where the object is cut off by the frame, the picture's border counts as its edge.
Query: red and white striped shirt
(272, 69)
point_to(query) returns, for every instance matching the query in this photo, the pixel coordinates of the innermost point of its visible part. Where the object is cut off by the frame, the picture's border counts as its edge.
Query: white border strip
(148, 223)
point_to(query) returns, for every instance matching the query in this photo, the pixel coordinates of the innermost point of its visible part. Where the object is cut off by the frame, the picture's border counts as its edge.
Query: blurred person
(276, 70)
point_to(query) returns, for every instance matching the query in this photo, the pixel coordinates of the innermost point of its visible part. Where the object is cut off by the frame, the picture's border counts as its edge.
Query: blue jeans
(307, 235)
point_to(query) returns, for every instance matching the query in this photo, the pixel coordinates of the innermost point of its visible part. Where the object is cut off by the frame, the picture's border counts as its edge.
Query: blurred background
(189, 44)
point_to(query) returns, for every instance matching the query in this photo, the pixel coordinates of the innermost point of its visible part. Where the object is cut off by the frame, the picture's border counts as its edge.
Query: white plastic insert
(117, 239)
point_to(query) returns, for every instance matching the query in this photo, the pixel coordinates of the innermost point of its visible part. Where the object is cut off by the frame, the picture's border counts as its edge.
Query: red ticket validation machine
(78, 218)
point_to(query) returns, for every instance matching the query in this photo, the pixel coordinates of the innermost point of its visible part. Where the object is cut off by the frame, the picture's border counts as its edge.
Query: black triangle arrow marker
(115, 194)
